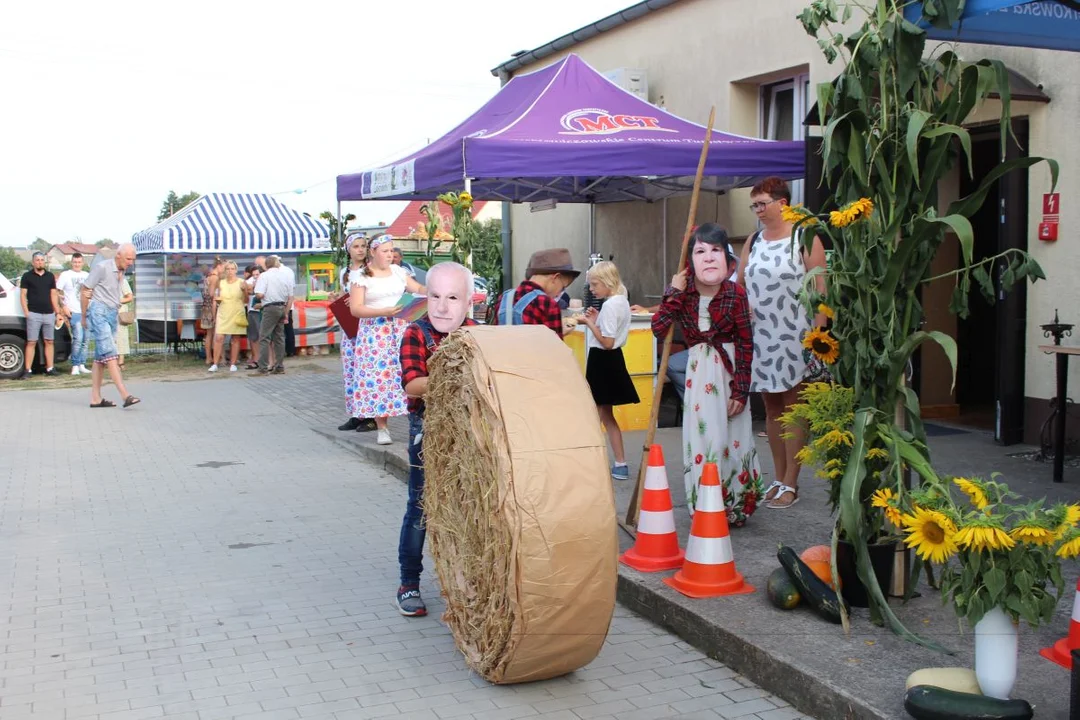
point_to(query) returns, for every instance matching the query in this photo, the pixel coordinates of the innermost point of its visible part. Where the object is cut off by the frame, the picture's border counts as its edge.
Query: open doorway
(990, 341)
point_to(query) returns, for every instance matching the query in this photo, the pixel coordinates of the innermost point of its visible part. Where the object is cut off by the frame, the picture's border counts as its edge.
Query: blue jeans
(80, 340)
(413, 532)
(102, 323)
(676, 371)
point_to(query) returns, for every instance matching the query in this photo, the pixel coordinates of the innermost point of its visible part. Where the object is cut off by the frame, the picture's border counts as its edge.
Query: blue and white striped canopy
(235, 223)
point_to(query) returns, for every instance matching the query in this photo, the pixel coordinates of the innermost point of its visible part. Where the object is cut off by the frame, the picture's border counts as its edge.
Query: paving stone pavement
(206, 556)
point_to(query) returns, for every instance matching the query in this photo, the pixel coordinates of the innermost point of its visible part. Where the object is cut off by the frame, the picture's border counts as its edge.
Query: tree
(105, 242)
(338, 230)
(39, 245)
(11, 265)
(174, 202)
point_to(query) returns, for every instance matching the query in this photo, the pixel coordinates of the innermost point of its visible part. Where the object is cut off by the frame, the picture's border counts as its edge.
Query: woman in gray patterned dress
(773, 275)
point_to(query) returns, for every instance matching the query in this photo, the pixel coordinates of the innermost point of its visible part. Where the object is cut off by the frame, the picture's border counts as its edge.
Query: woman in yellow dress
(230, 302)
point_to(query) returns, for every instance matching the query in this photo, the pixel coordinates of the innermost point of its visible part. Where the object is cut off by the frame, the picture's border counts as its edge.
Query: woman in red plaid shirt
(715, 319)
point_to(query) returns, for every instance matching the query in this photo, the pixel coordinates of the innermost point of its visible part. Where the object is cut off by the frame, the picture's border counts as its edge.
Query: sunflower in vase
(994, 551)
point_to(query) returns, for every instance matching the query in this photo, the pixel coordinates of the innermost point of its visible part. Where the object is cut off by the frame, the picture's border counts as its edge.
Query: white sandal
(783, 489)
(776, 484)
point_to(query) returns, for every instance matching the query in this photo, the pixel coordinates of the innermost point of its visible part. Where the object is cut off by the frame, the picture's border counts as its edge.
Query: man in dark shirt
(40, 304)
(548, 274)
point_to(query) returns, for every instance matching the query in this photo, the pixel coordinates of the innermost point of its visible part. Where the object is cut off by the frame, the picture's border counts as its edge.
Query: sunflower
(858, 210)
(885, 499)
(931, 534)
(1071, 547)
(795, 213)
(823, 345)
(826, 311)
(1070, 516)
(1033, 534)
(984, 533)
(974, 491)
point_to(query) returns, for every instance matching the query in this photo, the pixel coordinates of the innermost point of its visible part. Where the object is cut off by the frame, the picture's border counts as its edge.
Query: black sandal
(131, 400)
(103, 403)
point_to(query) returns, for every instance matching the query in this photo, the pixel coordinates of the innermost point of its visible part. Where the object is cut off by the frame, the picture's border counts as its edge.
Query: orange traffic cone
(657, 545)
(709, 570)
(1061, 651)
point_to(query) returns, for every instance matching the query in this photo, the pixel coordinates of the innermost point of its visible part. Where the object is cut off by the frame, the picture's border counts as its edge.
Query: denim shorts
(44, 323)
(102, 324)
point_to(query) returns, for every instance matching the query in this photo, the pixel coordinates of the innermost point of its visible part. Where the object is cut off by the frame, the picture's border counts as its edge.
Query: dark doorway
(990, 341)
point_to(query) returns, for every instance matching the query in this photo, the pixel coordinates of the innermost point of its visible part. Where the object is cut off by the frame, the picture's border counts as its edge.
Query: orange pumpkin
(823, 570)
(817, 552)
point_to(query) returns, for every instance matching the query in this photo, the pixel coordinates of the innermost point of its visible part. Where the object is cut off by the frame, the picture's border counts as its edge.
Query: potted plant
(999, 559)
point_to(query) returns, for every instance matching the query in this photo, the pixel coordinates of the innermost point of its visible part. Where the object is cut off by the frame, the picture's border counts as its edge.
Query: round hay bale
(518, 503)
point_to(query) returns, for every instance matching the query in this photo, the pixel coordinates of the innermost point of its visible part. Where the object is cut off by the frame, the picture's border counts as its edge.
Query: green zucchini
(822, 598)
(926, 702)
(781, 591)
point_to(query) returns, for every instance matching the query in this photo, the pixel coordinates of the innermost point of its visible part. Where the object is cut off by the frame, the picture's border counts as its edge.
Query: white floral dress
(710, 436)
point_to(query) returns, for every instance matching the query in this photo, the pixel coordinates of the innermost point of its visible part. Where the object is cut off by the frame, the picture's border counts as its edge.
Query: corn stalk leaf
(855, 529)
(916, 339)
(916, 121)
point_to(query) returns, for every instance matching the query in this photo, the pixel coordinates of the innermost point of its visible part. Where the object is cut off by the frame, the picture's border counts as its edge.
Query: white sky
(109, 105)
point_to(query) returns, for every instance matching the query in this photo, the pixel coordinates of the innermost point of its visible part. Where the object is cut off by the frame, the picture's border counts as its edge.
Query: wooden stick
(654, 416)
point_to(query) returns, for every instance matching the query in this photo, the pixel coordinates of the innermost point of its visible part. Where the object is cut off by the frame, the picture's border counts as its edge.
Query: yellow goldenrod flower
(1033, 535)
(974, 491)
(835, 438)
(826, 311)
(877, 454)
(823, 345)
(931, 534)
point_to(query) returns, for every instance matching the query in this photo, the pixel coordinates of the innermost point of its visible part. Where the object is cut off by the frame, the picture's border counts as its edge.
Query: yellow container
(640, 355)
(636, 417)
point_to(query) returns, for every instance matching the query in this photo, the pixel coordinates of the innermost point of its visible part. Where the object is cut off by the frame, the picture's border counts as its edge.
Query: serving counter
(641, 363)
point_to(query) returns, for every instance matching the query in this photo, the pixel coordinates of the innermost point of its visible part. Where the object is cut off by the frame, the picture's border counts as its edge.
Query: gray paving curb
(805, 692)
(775, 675)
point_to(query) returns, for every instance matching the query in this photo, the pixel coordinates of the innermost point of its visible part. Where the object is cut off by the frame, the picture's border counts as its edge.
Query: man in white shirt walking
(70, 285)
(275, 290)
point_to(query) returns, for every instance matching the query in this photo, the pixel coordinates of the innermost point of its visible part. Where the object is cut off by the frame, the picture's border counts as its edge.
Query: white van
(13, 335)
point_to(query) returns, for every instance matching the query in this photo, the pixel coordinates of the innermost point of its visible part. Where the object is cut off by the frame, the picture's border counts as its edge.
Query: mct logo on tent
(593, 121)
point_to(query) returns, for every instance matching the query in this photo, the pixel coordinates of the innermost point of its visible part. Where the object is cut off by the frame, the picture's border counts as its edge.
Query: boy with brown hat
(533, 301)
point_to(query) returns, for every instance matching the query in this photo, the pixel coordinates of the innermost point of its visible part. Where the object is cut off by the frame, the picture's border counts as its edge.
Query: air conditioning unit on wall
(634, 80)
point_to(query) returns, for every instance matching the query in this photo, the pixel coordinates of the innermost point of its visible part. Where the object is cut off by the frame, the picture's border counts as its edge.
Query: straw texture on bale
(518, 503)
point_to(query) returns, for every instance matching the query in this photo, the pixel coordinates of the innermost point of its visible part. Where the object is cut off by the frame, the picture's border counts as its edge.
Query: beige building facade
(757, 66)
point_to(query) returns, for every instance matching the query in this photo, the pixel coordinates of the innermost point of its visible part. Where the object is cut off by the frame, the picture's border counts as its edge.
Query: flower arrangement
(992, 550)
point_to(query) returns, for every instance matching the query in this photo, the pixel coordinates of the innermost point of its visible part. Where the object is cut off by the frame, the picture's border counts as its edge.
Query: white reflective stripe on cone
(656, 523)
(656, 478)
(709, 551)
(710, 498)
(1076, 605)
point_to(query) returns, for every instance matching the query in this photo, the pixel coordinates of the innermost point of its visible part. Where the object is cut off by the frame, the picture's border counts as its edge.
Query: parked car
(13, 335)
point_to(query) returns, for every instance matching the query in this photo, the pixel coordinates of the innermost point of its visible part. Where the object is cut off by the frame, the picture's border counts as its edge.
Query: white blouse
(381, 292)
(613, 322)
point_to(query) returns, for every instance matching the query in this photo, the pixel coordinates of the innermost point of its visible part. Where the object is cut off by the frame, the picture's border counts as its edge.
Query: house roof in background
(72, 247)
(412, 219)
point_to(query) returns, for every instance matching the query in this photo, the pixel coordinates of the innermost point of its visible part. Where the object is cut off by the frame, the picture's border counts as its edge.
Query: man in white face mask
(449, 288)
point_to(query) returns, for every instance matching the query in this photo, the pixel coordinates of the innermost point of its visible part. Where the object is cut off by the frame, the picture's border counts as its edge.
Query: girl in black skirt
(606, 369)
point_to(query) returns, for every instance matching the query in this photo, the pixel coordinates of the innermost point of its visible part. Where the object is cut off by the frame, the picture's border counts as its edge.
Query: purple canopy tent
(566, 132)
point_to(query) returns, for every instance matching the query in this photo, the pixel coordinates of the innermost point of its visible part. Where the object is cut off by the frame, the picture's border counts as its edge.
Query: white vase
(996, 654)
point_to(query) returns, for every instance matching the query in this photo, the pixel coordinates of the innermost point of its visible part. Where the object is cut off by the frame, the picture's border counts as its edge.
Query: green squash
(781, 591)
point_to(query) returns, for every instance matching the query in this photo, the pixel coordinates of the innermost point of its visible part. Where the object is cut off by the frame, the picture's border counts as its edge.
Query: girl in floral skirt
(374, 293)
(715, 319)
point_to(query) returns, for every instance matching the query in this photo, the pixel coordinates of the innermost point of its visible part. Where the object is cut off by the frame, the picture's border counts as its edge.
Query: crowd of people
(743, 322)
